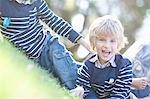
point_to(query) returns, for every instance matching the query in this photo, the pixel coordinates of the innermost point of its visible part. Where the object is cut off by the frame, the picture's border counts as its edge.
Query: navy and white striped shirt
(25, 30)
(108, 82)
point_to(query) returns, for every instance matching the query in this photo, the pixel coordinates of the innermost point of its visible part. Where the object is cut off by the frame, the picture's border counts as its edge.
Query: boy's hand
(132, 96)
(78, 91)
(140, 83)
(83, 42)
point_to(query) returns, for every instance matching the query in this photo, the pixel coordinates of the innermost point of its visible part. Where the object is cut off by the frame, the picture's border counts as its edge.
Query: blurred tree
(133, 12)
(130, 12)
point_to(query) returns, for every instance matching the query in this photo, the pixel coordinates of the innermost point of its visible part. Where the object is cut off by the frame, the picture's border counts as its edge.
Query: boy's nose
(107, 44)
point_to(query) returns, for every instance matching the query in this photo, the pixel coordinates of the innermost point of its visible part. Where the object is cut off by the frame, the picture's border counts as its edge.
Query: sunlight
(78, 22)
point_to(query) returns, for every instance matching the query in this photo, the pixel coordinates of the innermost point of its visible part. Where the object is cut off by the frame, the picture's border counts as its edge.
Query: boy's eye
(101, 39)
(113, 41)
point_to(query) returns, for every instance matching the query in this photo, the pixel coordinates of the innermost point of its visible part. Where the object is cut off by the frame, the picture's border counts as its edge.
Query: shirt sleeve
(56, 23)
(84, 78)
(123, 83)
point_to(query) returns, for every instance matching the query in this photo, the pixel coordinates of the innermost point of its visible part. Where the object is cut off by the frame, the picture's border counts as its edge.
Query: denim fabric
(142, 93)
(91, 95)
(57, 60)
(142, 60)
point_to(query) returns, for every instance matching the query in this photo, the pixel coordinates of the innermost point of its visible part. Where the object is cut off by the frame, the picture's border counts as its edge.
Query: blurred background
(21, 78)
(134, 15)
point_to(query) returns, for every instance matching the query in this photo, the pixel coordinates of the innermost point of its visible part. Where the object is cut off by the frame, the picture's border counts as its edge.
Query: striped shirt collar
(99, 65)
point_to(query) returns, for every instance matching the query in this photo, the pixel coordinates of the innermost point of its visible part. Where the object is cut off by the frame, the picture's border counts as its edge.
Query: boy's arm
(136, 47)
(84, 78)
(82, 83)
(59, 25)
(123, 83)
(133, 50)
(83, 42)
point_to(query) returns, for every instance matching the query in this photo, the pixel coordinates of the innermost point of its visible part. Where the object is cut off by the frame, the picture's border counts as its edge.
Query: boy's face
(106, 47)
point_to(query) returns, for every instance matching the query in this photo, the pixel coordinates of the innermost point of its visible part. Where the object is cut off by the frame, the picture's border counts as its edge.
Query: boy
(106, 74)
(139, 54)
(27, 33)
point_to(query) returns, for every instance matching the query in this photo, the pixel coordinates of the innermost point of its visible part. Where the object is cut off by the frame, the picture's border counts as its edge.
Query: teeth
(105, 53)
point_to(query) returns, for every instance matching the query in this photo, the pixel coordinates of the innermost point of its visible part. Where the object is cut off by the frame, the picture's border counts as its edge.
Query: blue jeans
(57, 60)
(142, 93)
(92, 95)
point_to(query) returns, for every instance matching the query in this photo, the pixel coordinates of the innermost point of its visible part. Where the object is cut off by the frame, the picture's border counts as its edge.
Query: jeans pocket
(65, 65)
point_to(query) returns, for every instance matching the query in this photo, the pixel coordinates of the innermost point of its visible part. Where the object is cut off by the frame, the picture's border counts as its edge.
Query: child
(27, 33)
(139, 54)
(106, 74)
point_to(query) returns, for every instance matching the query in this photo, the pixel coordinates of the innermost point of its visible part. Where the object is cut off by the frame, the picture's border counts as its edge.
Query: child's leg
(64, 65)
(55, 58)
(142, 93)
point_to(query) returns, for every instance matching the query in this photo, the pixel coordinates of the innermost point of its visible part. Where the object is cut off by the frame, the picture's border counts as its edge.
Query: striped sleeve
(123, 83)
(84, 78)
(56, 23)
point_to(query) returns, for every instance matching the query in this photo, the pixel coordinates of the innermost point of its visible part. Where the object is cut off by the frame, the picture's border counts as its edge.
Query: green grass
(21, 78)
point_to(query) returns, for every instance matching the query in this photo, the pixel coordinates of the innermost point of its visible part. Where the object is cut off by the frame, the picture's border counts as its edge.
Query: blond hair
(107, 25)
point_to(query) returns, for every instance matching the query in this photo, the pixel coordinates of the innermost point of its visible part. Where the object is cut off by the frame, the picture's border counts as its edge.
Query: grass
(21, 78)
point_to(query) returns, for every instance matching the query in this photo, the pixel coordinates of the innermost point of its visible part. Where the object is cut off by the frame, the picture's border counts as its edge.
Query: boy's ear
(119, 45)
(93, 44)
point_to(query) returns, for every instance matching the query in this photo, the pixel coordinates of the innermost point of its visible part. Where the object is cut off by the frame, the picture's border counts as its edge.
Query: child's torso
(103, 80)
(25, 30)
